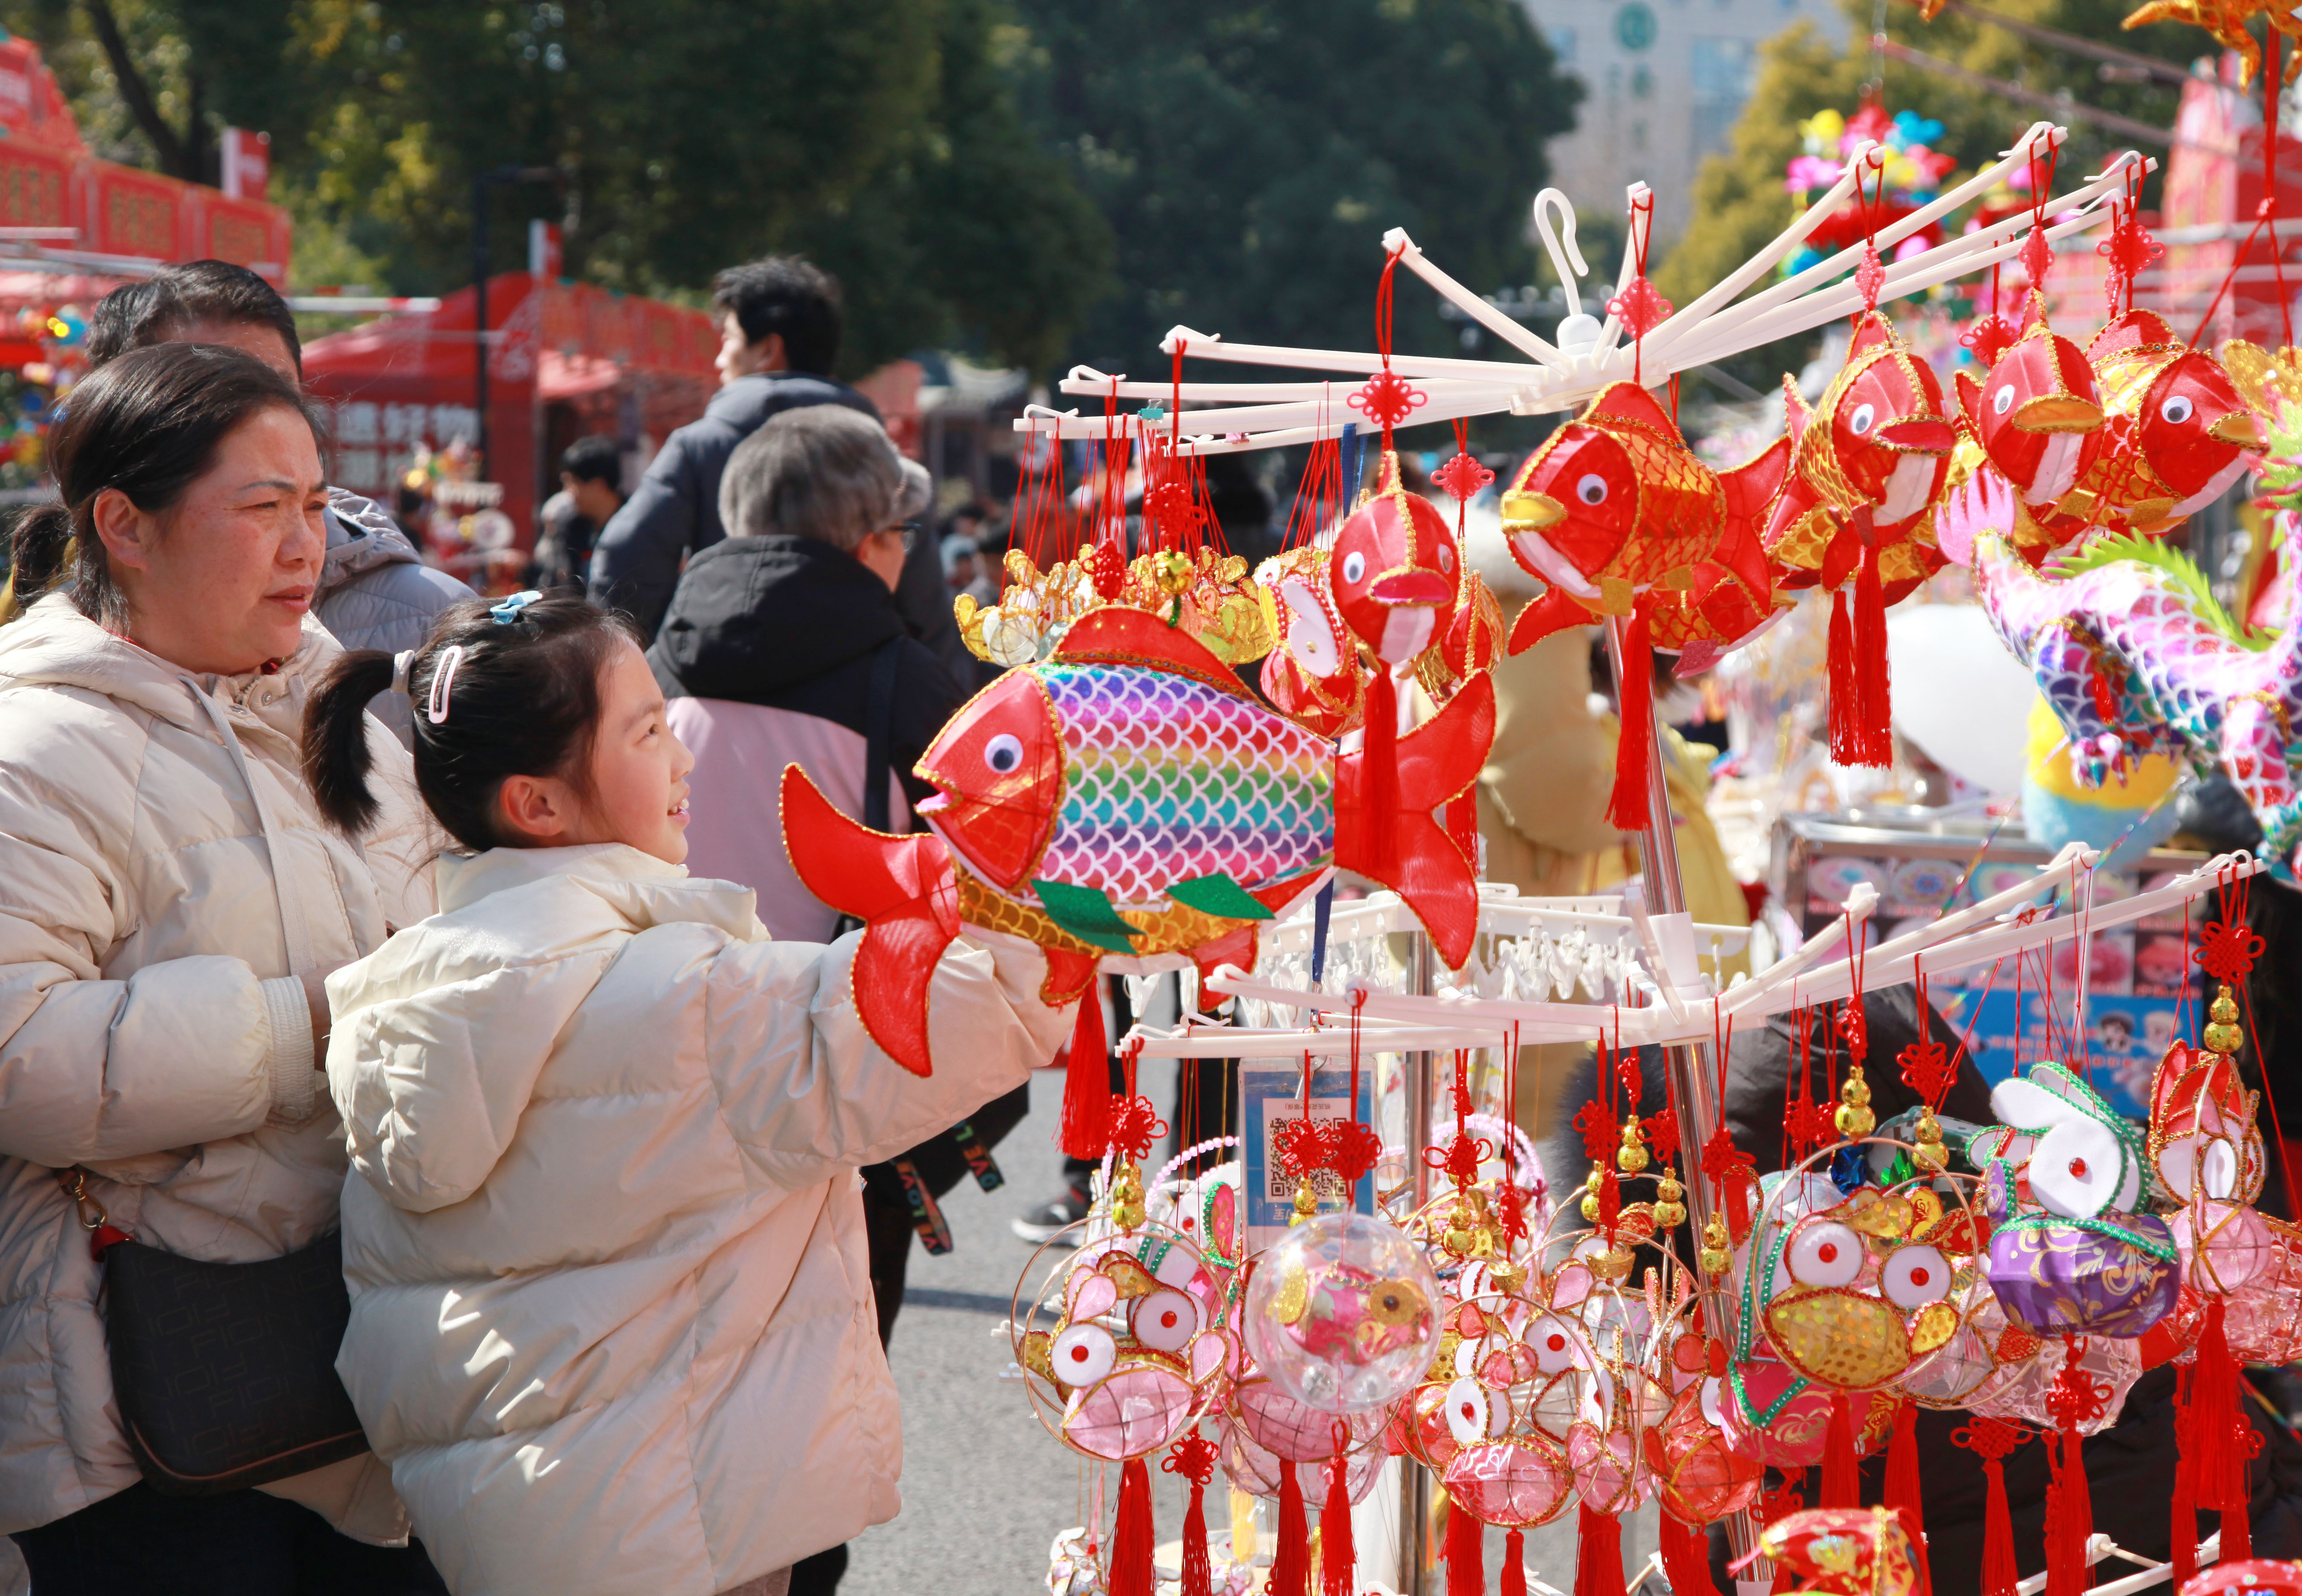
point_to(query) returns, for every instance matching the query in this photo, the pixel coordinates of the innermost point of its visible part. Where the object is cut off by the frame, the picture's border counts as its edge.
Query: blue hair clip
(508, 610)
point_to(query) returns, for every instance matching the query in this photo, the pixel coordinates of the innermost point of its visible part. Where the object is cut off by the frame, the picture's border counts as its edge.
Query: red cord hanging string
(1992, 1440)
(1193, 1457)
(2270, 179)
(1386, 398)
(1640, 307)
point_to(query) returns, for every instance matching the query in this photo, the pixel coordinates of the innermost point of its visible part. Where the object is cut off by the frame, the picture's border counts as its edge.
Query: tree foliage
(1739, 201)
(878, 135)
(1249, 156)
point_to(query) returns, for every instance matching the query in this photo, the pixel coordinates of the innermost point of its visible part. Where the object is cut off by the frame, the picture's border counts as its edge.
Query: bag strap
(879, 731)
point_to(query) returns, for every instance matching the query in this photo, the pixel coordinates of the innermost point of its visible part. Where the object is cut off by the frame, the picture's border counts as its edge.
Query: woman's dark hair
(524, 700)
(149, 424)
(164, 307)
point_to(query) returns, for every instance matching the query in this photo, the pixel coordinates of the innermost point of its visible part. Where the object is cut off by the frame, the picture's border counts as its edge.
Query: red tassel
(1131, 1539)
(1999, 1575)
(1381, 767)
(1845, 705)
(1597, 1554)
(1872, 689)
(2182, 1519)
(1290, 1561)
(1685, 1557)
(2216, 1427)
(2070, 1515)
(1515, 1563)
(1466, 1553)
(1901, 1489)
(1338, 1575)
(1842, 1477)
(1198, 1575)
(1626, 806)
(1086, 1128)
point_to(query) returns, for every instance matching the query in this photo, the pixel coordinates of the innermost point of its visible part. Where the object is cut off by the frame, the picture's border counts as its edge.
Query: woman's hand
(315, 994)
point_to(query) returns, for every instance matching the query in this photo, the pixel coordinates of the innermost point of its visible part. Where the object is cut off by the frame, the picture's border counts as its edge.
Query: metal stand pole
(1692, 1069)
(1418, 1547)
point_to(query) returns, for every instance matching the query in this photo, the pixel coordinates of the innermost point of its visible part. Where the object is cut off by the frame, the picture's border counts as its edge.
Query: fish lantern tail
(1430, 766)
(1626, 807)
(904, 891)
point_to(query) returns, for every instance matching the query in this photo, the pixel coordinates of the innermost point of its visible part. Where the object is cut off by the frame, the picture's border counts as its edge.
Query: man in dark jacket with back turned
(779, 325)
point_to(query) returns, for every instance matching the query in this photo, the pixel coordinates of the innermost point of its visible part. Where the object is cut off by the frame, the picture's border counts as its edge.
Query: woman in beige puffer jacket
(166, 884)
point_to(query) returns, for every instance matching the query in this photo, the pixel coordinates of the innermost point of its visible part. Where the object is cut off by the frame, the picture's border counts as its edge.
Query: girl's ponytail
(336, 756)
(37, 546)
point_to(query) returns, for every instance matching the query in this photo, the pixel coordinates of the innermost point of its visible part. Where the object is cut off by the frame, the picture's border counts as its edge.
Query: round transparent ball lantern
(1342, 1314)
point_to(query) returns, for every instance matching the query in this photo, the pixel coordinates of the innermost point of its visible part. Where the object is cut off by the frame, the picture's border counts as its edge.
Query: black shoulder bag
(225, 1373)
(929, 1170)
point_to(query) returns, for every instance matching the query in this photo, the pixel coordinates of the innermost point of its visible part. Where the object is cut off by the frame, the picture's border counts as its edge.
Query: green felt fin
(1087, 914)
(1218, 895)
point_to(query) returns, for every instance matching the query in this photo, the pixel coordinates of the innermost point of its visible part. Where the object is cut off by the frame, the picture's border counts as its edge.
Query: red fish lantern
(1312, 674)
(2179, 434)
(1867, 466)
(1618, 515)
(2038, 415)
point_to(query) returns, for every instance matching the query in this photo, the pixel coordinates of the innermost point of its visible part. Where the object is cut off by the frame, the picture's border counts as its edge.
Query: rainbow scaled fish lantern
(1129, 798)
(1615, 513)
(2135, 656)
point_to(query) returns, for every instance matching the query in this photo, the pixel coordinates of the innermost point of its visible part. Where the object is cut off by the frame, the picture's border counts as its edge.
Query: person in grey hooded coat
(374, 591)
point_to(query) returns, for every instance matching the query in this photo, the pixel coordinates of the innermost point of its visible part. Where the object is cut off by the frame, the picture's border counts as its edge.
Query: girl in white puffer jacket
(612, 1325)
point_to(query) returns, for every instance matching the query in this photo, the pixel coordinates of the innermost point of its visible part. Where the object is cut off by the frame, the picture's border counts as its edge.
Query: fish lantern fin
(1753, 486)
(904, 891)
(1218, 896)
(1970, 400)
(1555, 611)
(1121, 635)
(2136, 330)
(1234, 947)
(1069, 976)
(1873, 333)
(1633, 403)
(1086, 913)
(1436, 761)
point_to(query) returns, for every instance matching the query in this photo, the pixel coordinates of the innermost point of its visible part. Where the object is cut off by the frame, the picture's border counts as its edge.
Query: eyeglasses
(909, 533)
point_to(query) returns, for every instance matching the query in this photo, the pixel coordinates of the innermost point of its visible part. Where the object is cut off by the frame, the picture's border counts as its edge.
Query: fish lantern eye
(1446, 559)
(1353, 565)
(1003, 754)
(1591, 489)
(2003, 400)
(1083, 1354)
(2176, 409)
(1860, 421)
(1826, 1254)
(1915, 1274)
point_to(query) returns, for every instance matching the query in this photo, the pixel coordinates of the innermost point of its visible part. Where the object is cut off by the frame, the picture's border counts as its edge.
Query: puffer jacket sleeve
(432, 1084)
(183, 1051)
(805, 1090)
